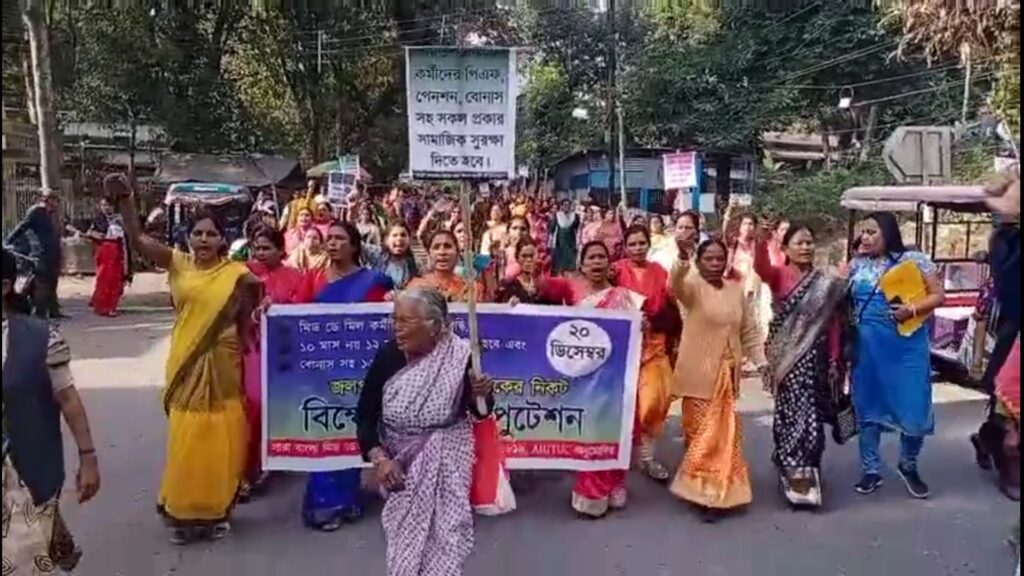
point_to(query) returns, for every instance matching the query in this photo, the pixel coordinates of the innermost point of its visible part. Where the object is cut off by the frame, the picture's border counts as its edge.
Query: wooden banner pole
(468, 256)
(474, 326)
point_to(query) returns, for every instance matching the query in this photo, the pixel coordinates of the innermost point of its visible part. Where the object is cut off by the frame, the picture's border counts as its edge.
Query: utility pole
(33, 16)
(612, 96)
(319, 51)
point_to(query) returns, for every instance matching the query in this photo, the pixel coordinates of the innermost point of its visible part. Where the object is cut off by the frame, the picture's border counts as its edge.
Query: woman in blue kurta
(334, 497)
(891, 376)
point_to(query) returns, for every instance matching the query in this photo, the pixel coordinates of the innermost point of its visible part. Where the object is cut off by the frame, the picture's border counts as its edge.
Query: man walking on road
(41, 222)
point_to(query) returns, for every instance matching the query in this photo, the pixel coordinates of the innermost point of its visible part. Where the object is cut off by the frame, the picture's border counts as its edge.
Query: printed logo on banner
(578, 348)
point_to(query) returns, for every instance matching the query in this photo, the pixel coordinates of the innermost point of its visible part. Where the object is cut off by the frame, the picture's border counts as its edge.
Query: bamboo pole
(468, 256)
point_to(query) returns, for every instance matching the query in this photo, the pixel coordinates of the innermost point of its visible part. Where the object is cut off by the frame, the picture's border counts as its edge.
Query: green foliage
(274, 77)
(722, 89)
(547, 129)
(568, 71)
(12, 51)
(115, 75)
(814, 197)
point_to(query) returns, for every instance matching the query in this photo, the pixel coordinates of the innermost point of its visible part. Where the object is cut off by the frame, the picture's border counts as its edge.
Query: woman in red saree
(281, 285)
(112, 262)
(662, 325)
(595, 493)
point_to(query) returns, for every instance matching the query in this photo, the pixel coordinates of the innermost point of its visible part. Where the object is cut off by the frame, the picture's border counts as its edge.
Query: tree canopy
(273, 77)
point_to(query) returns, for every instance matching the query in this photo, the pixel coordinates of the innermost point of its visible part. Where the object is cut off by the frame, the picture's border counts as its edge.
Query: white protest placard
(681, 171)
(462, 112)
(341, 182)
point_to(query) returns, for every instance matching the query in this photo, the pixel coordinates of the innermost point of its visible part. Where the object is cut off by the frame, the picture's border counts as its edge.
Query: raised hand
(117, 187)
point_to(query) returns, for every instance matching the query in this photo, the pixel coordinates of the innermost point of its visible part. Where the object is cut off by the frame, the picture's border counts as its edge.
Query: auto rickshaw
(953, 226)
(231, 203)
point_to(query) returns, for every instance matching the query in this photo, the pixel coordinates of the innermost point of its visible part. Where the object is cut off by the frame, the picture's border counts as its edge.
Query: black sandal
(183, 536)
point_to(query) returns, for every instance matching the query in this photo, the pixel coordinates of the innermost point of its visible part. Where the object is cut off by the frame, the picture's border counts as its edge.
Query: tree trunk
(869, 134)
(42, 80)
(30, 87)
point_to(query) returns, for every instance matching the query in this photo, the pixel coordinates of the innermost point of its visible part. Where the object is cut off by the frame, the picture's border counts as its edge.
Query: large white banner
(462, 112)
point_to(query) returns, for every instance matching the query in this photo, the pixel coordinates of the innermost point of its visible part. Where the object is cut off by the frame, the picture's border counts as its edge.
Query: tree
(42, 82)
(763, 70)
(201, 111)
(982, 35)
(116, 77)
(568, 70)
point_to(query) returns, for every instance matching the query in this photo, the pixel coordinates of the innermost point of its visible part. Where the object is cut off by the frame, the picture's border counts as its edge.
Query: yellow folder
(905, 283)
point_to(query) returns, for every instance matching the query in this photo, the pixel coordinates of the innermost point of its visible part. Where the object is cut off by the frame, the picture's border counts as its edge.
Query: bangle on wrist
(87, 452)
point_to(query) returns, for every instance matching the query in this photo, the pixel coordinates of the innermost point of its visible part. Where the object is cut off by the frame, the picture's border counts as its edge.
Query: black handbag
(845, 427)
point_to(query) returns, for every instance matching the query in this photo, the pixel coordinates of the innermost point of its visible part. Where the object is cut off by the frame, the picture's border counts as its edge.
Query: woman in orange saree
(443, 249)
(662, 324)
(719, 332)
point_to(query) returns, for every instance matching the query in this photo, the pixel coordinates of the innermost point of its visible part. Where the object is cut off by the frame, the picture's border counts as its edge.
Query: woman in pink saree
(595, 493)
(607, 229)
(281, 285)
(414, 427)
(295, 237)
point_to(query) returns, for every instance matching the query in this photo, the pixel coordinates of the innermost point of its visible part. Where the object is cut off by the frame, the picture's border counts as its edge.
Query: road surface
(963, 530)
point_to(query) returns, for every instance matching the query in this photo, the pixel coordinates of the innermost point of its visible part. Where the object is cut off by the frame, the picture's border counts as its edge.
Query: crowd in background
(716, 306)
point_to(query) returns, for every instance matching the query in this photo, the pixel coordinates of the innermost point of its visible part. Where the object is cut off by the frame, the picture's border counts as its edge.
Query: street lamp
(846, 98)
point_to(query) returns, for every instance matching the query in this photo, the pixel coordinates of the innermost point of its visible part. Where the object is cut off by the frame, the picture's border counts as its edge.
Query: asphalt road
(963, 530)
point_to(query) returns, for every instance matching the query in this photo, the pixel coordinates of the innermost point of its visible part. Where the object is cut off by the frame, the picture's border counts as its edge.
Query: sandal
(183, 536)
(618, 499)
(331, 526)
(219, 531)
(244, 493)
(655, 470)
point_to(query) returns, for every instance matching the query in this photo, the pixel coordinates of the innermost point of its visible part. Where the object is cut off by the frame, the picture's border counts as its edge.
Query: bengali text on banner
(565, 382)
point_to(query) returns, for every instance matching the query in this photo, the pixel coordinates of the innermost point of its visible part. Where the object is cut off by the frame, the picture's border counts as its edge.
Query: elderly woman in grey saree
(803, 349)
(414, 427)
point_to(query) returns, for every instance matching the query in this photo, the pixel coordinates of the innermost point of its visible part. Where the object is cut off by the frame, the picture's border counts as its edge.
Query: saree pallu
(110, 273)
(36, 539)
(428, 524)
(714, 473)
(654, 390)
(207, 431)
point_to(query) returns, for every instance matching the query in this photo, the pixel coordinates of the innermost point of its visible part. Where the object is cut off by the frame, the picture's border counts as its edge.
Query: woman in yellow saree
(207, 431)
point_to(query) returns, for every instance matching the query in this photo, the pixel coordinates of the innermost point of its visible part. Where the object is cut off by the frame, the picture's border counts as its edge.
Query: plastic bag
(491, 493)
